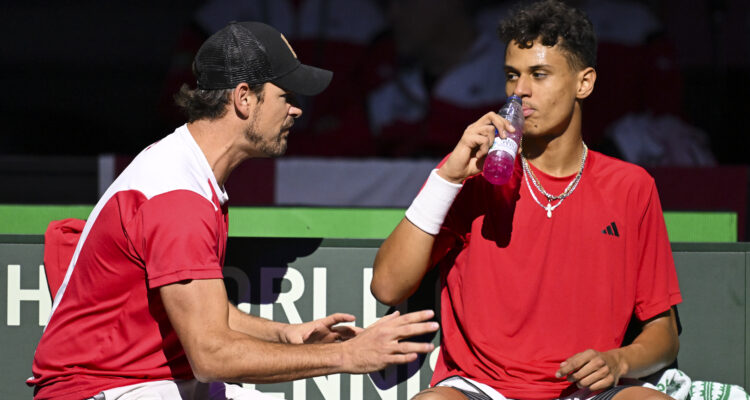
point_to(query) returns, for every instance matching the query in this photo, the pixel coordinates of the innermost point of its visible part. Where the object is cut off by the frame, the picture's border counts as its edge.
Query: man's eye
(539, 75)
(511, 76)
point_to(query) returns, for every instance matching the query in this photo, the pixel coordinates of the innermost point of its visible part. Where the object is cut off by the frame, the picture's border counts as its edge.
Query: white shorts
(475, 390)
(182, 390)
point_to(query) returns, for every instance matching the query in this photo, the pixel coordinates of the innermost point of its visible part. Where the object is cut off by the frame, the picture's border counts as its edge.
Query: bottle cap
(515, 98)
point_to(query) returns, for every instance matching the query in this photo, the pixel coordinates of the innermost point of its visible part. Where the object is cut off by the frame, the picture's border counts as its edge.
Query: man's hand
(467, 159)
(380, 344)
(593, 370)
(322, 330)
(654, 348)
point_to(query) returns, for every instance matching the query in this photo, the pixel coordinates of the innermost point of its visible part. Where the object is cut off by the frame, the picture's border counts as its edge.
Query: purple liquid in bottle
(498, 166)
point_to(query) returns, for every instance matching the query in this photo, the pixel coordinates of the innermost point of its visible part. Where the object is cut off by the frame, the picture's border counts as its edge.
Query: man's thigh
(620, 393)
(182, 390)
(441, 393)
(640, 393)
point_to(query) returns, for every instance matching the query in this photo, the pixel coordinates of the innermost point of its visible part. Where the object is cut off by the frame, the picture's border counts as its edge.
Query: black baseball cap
(255, 53)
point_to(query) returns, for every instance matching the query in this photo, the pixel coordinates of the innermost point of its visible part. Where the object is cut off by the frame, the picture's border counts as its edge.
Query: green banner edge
(344, 223)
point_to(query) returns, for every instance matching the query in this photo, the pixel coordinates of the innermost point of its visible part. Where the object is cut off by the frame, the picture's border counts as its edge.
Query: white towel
(679, 386)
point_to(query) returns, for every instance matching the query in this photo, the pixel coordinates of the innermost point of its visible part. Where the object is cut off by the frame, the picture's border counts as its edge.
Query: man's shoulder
(168, 165)
(610, 168)
(619, 178)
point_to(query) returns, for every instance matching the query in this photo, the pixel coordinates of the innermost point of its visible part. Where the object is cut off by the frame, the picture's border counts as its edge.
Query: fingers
(467, 157)
(588, 369)
(415, 329)
(397, 328)
(482, 139)
(413, 324)
(494, 120)
(345, 332)
(598, 381)
(416, 316)
(502, 125)
(336, 318)
(591, 372)
(415, 347)
(388, 317)
(408, 352)
(574, 363)
(382, 343)
(401, 358)
(412, 317)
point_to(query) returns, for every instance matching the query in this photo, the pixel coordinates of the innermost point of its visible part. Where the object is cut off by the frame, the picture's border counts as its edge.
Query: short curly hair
(553, 22)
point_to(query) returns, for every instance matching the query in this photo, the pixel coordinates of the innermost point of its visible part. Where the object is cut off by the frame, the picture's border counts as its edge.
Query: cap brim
(305, 80)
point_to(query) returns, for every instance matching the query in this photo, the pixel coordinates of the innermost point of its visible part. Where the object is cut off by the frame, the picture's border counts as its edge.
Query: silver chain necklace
(568, 190)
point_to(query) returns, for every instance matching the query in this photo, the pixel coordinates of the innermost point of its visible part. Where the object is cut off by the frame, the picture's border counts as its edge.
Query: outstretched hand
(467, 158)
(592, 369)
(381, 343)
(323, 330)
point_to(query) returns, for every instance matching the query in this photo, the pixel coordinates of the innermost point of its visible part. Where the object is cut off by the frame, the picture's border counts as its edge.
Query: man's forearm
(199, 312)
(654, 348)
(401, 263)
(239, 358)
(261, 328)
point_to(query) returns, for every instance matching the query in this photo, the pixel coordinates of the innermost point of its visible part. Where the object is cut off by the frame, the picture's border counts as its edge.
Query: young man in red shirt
(540, 276)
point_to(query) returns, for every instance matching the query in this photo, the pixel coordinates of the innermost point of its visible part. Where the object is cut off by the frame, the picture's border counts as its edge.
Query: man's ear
(586, 80)
(243, 100)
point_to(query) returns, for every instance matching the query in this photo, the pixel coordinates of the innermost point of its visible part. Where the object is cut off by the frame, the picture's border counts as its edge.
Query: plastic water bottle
(498, 166)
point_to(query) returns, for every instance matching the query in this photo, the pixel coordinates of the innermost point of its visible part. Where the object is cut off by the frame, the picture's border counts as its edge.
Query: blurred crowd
(409, 75)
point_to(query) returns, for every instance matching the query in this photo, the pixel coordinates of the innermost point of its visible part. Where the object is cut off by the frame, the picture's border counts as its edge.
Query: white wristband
(429, 208)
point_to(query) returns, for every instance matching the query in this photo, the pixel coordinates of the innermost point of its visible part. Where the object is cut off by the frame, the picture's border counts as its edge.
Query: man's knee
(439, 393)
(640, 393)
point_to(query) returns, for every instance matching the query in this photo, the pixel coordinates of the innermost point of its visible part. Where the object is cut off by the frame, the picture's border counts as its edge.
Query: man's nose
(522, 88)
(295, 112)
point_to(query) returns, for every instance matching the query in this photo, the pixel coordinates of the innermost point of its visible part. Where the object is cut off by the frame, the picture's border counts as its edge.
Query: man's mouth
(527, 111)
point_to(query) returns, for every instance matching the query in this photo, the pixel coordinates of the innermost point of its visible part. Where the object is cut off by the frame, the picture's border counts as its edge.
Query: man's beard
(275, 147)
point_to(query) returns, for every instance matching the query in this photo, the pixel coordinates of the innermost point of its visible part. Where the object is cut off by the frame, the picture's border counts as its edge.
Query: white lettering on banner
(244, 307)
(299, 389)
(287, 299)
(413, 384)
(434, 357)
(391, 375)
(369, 304)
(319, 292)
(280, 395)
(330, 387)
(16, 295)
(357, 389)
(369, 317)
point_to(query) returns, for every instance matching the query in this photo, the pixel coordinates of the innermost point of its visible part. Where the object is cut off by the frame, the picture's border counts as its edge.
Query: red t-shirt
(522, 292)
(162, 221)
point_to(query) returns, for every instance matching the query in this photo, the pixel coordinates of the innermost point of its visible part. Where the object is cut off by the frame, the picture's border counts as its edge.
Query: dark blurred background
(92, 77)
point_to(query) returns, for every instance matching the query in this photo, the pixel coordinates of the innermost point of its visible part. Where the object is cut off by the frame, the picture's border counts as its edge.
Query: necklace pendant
(549, 210)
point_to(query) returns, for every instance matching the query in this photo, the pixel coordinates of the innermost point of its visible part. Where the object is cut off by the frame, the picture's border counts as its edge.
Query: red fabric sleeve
(60, 241)
(177, 236)
(657, 287)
